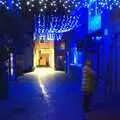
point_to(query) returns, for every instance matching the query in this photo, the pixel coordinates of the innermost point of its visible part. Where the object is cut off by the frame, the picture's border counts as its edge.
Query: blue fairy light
(54, 25)
(44, 6)
(55, 6)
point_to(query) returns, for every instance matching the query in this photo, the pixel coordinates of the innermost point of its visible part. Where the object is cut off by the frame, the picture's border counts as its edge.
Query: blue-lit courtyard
(37, 96)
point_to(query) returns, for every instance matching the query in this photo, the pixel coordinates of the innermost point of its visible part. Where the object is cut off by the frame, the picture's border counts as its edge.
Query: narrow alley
(41, 96)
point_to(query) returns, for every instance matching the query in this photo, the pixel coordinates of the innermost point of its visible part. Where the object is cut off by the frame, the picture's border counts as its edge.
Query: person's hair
(88, 62)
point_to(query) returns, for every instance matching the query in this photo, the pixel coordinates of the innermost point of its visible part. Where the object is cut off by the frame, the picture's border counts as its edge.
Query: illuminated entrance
(44, 54)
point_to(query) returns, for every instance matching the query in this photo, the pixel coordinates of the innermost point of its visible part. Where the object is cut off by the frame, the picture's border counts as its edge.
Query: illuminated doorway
(44, 54)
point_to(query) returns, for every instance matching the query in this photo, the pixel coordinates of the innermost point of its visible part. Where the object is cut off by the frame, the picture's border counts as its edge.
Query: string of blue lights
(52, 27)
(43, 6)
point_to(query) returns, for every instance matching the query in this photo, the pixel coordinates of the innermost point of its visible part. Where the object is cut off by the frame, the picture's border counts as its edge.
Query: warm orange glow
(44, 54)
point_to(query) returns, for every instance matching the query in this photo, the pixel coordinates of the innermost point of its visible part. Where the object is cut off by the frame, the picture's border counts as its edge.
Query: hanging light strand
(54, 26)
